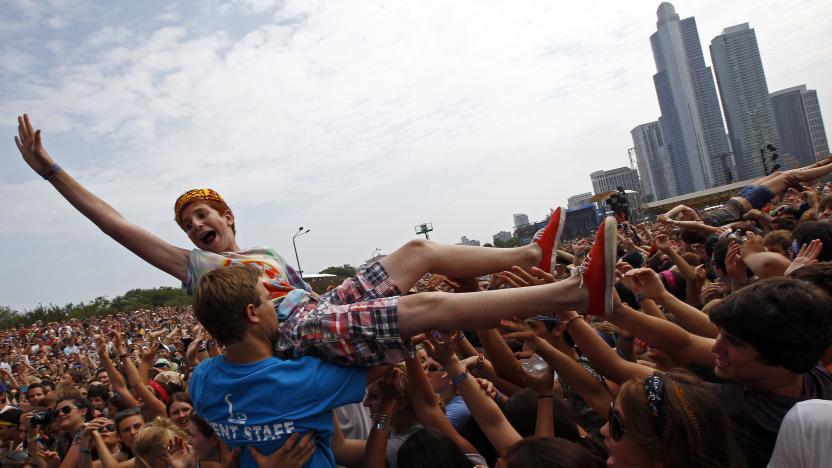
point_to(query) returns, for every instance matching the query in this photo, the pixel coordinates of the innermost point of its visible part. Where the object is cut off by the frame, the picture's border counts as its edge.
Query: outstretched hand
(520, 330)
(808, 255)
(29, 143)
(519, 278)
(645, 282)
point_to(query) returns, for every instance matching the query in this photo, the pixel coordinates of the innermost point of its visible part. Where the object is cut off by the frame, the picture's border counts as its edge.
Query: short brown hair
(825, 201)
(781, 238)
(221, 298)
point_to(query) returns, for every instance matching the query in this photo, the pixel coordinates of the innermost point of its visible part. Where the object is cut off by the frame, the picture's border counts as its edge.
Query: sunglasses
(434, 368)
(107, 428)
(615, 422)
(65, 409)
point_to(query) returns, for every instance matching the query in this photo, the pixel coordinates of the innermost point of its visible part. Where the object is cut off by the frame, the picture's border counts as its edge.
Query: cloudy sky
(355, 119)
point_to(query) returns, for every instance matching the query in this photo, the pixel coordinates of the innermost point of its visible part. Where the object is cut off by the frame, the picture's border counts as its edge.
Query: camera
(43, 418)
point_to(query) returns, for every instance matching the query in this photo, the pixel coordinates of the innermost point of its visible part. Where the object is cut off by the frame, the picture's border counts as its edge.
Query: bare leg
(411, 261)
(419, 313)
(780, 183)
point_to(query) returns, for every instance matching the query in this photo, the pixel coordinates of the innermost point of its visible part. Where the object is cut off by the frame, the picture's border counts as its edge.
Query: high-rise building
(654, 168)
(799, 124)
(502, 236)
(520, 219)
(464, 240)
(745, 100)
(691, 121)
(607, 181)
(580, 199)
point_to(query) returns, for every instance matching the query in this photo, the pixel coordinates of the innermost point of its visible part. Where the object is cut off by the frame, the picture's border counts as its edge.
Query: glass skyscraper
(691, 121)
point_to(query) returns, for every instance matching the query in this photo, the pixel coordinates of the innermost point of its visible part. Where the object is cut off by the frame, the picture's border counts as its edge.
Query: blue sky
(356, 119)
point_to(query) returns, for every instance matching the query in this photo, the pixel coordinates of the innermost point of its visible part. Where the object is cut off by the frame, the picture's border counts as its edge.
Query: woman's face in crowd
(128, 430)
(372, 398)
(207, 228)
(422, 356)
(179, 413)
(624, 452)
(203, 446)
(108, 433)
(70, 417)
(437, 376)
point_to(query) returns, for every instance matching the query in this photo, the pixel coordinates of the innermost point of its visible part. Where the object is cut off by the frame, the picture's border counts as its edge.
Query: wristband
(51, 172)
(544, 396)
(83, 450)
(458, 379)
(480, 360)
(569, 320)
(380, 421)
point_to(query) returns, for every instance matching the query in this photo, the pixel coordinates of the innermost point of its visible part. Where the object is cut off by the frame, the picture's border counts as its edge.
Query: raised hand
(734, 265)
(442, 347)
(29, 143)
(753, 244)
(519, 278)
(180, 453)
(645, 282)
(808, 255)
(663, 243)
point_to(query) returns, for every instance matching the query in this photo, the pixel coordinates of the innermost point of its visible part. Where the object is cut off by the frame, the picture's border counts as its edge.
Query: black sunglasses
(107, 428)
(434, 368)
(615, 422)
(66, 409)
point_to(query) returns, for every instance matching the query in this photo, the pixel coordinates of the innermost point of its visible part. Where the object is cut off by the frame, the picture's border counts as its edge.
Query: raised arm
(601, 356)
(483, 409)
(660, 333)
(764, 264)
(426, 406)
(592, 390)
(153, 407)
(116, 379)
(645, 282)
(152, 249)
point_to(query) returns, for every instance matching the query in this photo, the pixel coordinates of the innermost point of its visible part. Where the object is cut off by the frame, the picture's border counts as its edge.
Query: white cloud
(360, 119)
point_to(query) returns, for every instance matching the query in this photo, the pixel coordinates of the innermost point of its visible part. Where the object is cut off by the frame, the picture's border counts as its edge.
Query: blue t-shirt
(261, 404)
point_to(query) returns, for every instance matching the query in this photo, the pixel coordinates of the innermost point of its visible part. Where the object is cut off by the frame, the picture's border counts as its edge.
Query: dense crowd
(699, 340)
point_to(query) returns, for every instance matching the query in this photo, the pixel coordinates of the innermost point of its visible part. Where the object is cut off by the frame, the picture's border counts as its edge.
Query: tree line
(134, 299)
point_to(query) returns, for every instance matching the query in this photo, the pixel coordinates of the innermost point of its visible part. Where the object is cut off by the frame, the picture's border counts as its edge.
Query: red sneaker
(548, 239)
(598, 269)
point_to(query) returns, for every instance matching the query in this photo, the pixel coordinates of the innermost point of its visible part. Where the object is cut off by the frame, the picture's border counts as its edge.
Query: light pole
(375, 252)
(298, 234)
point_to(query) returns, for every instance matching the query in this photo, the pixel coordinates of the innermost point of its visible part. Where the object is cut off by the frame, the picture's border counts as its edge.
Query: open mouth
(208, 237)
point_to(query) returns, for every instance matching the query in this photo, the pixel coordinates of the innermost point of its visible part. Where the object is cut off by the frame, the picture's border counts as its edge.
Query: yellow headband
(193, 195)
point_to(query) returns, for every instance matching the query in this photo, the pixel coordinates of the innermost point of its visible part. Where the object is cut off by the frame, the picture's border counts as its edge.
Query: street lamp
(298, 234)
(375, 252)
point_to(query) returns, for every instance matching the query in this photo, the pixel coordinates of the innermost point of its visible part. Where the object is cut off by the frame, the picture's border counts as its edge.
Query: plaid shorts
(356, 323)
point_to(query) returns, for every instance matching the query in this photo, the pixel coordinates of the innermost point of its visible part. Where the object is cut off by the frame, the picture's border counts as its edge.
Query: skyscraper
(608, 181)
(799, 124)
(691, 121)
(654, 166)
(745, 100)
(520, 219)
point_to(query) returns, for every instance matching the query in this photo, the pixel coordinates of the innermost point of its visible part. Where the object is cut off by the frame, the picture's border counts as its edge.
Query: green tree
(344, 271)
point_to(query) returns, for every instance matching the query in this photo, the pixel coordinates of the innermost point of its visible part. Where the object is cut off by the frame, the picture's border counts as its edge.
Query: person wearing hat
(162, 364)
(11, 437)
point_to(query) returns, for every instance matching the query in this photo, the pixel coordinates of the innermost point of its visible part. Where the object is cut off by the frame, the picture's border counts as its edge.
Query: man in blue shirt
(252, 398)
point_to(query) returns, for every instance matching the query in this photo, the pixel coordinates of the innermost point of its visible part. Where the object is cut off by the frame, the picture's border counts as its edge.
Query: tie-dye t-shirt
(284, 280)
